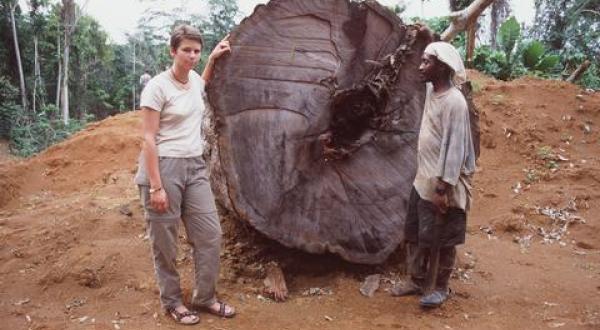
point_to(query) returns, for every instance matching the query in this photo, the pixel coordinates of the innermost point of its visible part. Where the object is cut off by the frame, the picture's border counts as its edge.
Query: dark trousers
(420, 223)
(417, 259)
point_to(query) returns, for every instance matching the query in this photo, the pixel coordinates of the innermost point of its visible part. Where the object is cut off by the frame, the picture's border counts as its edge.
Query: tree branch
(591, 11)
(464, 18)
(576, 75)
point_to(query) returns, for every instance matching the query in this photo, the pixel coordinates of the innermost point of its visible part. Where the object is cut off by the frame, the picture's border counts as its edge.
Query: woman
(172, 176)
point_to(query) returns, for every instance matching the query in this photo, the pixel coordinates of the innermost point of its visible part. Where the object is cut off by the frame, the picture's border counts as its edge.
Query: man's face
(187, 54)
(428, 69)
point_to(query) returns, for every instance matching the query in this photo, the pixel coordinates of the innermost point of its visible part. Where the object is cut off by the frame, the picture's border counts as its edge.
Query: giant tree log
(314, 122)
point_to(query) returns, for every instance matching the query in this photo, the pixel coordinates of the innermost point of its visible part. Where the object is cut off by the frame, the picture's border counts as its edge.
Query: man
(144, 79)
(440, 198)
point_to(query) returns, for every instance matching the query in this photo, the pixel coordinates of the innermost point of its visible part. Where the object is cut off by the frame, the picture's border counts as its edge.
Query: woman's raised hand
(222, 47)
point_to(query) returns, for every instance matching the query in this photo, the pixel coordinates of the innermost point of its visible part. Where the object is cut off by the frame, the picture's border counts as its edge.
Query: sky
(119, 17)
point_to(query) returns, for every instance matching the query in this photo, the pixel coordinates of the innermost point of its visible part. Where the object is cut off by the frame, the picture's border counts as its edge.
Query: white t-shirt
(181, 109)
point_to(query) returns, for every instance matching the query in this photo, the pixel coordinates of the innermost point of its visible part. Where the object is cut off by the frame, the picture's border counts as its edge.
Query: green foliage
(436, 24)
(517, 57)
(501, 64)
(8, 112)
(8, 92)
(102, 75)
(492, 62)
(591, 78)
(568, 25)
(29, 136)
(508, 35)
(221, 21)
(571, 28)
(532, 53)
(8, 109)
(547, 63)
(535, 58)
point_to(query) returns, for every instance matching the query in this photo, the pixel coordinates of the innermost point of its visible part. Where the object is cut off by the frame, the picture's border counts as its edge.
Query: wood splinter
(275, 287)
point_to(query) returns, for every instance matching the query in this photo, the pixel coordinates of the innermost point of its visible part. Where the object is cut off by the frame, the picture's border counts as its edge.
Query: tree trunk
(494, 26)
(499, 12)
(314, 124)
(557, 40)
(69, 22)
(18, 55)
(59, 74)
(134, 80)
(38, 82)
(471, 36)
(464, 18)
(84, 110)
(78, 94)
(64, 96)
(35, 73)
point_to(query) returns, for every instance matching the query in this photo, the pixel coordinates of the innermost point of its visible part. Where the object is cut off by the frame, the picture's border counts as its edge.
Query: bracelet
(153, 190)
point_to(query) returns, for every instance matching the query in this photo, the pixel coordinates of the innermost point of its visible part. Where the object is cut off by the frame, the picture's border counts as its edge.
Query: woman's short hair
(182, 32)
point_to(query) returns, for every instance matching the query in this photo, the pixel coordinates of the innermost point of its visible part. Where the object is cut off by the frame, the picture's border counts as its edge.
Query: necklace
(175, 77)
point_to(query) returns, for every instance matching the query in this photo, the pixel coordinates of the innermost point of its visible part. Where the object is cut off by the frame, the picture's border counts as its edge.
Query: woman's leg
(163, 231)
(163, 235)
(203, 230)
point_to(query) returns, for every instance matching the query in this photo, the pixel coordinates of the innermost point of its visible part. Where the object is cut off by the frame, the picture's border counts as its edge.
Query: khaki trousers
(191, 200)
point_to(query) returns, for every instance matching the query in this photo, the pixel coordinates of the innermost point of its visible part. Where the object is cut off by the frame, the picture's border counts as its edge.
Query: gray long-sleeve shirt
(445, 147)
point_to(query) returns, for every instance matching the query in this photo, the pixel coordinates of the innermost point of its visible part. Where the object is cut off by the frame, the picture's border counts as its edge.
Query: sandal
(434, 299)
(222, 312)
(185, 318)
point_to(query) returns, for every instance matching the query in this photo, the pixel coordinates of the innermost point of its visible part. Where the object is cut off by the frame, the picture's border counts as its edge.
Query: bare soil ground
(74, 255)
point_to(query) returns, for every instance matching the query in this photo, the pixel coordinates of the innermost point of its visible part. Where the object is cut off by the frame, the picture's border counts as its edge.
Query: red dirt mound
(88, 157)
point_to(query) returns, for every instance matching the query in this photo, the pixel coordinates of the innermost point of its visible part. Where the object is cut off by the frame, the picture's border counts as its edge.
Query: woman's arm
(158, 196)
(221, 48)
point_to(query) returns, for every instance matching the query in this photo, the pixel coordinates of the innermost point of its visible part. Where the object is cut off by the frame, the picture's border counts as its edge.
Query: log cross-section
(271, 100)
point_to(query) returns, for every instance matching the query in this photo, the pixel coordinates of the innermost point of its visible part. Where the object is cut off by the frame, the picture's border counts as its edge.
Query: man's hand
(441, 202)
(159, 201)
(440, 196)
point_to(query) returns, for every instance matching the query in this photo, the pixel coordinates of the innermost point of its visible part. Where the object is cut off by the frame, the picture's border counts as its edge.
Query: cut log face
(271, 100)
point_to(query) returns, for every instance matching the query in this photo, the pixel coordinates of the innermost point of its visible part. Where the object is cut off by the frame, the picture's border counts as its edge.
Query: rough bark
(471, 36)
(474, 116)
(296, 69)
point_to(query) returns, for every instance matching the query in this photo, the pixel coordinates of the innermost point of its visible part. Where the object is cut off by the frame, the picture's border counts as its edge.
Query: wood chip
(370, 285)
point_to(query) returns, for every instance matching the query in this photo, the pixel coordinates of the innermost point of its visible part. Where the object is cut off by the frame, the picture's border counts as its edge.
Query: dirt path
(73, 254)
